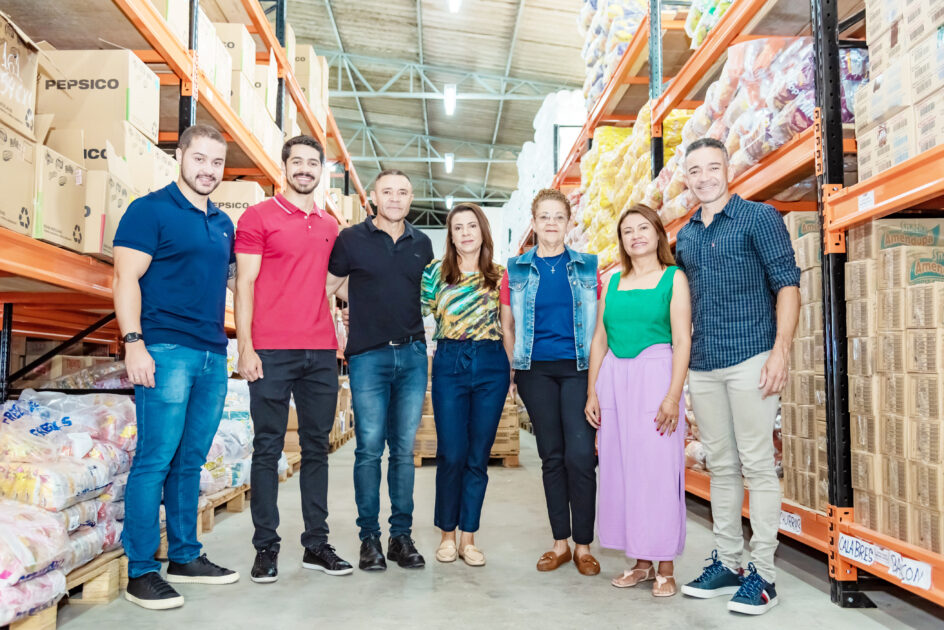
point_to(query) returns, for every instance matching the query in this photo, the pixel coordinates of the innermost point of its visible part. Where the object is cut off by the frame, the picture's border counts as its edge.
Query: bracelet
(667, 397)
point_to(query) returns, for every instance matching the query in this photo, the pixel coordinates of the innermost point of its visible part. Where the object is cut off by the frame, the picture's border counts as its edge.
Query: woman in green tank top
(638, 363)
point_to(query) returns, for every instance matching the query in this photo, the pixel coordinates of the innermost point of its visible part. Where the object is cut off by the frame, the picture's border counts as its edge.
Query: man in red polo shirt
(288, 345)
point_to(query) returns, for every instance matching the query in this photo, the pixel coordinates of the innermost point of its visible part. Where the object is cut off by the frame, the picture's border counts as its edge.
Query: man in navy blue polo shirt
(173, 258)
(745, 305)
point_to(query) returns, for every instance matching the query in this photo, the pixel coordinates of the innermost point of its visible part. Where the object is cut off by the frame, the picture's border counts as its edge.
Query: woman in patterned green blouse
(471, 375)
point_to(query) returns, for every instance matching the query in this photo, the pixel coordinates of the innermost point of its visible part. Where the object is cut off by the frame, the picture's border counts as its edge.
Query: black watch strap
(132, 337)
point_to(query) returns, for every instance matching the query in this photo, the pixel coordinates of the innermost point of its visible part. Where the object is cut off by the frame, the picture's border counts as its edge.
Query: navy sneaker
(714, 581)
(756, 595)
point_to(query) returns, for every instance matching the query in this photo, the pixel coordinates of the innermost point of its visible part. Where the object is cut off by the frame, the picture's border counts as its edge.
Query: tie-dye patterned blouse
(463, 311)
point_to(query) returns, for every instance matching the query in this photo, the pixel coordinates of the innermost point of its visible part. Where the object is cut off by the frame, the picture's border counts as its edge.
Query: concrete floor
(507, 593)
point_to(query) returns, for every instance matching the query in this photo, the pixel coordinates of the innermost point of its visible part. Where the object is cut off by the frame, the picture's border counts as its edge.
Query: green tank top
(638, 318)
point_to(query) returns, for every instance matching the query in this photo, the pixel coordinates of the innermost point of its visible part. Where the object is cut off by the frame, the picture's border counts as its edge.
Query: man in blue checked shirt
(745, 305)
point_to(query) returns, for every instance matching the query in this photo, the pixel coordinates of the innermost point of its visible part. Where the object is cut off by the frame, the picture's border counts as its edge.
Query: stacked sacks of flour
(68, 456)
(607, 26)
(763, 99)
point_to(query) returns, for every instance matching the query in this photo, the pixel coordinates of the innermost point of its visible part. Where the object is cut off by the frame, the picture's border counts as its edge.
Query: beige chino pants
(736, 427)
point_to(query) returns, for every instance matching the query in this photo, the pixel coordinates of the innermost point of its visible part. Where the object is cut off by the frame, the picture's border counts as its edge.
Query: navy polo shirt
(183, 292)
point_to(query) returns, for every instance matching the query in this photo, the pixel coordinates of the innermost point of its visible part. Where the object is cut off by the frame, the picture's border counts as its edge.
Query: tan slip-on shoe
(472, 556)
(447, 551)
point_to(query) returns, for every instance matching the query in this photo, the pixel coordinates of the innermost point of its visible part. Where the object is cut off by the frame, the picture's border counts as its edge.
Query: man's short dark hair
(308, 141)
(391, 171)
(199, 131)
(707, 143)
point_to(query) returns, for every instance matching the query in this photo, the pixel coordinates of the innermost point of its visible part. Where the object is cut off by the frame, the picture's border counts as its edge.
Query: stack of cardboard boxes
(895, 325)
(343, 420)
(349, 206)
(803, 402)
(899, 113)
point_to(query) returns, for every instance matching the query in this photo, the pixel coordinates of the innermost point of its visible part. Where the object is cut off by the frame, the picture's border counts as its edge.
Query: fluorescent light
(454, 5)
(450, 161)
(449, 97)
(449, 201)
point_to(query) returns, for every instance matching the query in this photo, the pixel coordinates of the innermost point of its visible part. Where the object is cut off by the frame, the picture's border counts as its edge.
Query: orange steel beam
(145, 18)
(171, 136)
(731, 25)
(56, 316)
(52, 332)
(64, 299)
(29, 258)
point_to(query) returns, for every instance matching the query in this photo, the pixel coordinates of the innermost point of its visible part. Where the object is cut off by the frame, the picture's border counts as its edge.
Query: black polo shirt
(384, 282)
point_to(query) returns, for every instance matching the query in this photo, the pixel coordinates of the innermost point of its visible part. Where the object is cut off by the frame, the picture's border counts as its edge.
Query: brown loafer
(587, 564)
(550, 560)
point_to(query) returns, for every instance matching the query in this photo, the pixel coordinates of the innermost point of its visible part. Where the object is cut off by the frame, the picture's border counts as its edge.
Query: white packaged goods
(801, 223)
(924, 306)
(906, 266)
(866, 241)
(30, 597)
(927, 64)
(929, 121)
(861, 279)
(889, 44)
(880, 15)
(84, 514)
(885, 94)
(32, 543)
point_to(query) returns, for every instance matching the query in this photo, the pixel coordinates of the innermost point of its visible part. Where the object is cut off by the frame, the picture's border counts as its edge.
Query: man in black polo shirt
(384, 258)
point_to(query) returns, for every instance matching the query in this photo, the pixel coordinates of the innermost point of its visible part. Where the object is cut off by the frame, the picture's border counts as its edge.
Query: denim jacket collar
(527, 258)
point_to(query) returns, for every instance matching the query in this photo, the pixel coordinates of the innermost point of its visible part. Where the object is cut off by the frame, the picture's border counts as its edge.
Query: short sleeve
(339, 264)
(429, 287)
(250, 237)
(504, 294)
(139, 228)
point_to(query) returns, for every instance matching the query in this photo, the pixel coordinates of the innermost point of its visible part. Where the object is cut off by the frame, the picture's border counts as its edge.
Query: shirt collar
(527, 258)
(408, 229)
(289, 207)
(184, 203)
(732, 208)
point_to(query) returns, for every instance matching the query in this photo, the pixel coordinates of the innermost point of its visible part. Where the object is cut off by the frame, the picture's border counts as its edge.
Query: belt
(408, 339)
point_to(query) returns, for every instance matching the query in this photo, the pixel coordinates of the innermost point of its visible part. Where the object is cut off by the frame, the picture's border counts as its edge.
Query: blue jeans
(177, 420)
(388, 386)
(470, 384)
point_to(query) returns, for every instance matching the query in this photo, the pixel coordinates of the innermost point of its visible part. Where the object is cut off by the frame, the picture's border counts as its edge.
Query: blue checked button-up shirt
(735, 267)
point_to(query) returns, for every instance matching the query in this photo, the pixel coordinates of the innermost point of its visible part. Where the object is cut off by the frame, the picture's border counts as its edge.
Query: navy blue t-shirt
(183, 292)
(553, 312)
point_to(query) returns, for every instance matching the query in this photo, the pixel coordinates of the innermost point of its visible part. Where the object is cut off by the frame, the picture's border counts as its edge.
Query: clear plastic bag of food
(32, 542)
(758, 140)
(114, 511)
(115, 491)
(739, 163)
(82, 514)
(54, 485)
(801, 191)
(30, 597)
(718, 130)
(795, 76)
(85, 544)
(793, 119)
(239, 472)
(108, 417)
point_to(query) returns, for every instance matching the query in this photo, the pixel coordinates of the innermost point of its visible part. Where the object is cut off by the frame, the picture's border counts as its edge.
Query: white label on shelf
(866, 201)
(791, 523)
(910, 572)
(855, 549)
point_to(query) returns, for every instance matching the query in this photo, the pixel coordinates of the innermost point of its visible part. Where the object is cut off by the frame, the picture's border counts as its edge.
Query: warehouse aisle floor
(507, 593)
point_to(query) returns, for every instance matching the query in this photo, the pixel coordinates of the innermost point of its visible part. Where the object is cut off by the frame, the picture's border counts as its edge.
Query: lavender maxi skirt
(641, 501)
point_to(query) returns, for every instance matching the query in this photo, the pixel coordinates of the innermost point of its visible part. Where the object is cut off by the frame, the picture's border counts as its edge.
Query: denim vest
(523, 279)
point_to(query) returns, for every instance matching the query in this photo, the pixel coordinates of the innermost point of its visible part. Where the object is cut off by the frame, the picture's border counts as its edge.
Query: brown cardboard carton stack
(506, 443)
(802, 410)
(895, 320)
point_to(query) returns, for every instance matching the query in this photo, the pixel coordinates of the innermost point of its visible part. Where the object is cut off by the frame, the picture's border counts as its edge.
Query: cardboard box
(894, 518)
(888, 143)
(223, 72)
(800, 224)
(861, 279)
(893, 394)
(927, 66)
(896, 477)
(890, 43)
(18, 173)
(866, 143)
(863, 395)
(19, 68)
(891, 310)
(107, 195)
(129, 143)
(885, 94)
(928, 444)
(923, 349)
(292, 417)
(893, 438)
(921, 18)
(862, 353)
(788, 414)
(177, 15)
(234, 198)
(805, 423)
(927, 485)
(165, 169)
(866, 473)
(860, 318)
(927, 528)
(312, 74)
(242, 98)
(291, 45)
(808, 251)
(929, 121)
(811, 319)
(239, 45)
(907, 266)
(102, 86)
(880, 15)
(925, 396)
(811, 285)
(819, 353)
(59, 213)
(207, 47)
(866, 241)
(266, 81)
(866, 508)
(801, 355)
(891, 352)
(292, 443)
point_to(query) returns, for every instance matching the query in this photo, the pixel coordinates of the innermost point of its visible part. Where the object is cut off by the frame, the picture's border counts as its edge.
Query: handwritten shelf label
(791, 523)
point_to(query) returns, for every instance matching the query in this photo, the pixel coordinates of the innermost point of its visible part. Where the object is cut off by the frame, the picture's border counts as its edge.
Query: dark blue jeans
(177, 420)
(470, 384)
(388, 386)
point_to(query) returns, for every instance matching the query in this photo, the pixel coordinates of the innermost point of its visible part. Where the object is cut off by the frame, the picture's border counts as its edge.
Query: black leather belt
(405, 340)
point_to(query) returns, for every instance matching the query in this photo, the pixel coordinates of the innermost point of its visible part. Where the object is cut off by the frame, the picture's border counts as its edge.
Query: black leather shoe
(402, 550)
(266, 567)
(323, 558)
(372, 555)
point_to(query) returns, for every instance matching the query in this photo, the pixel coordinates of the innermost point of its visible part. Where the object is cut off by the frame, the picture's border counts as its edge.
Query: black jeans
(312, 377)
(555, 395)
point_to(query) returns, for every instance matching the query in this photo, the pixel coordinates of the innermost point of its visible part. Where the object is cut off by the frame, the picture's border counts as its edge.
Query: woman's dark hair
(451, 274)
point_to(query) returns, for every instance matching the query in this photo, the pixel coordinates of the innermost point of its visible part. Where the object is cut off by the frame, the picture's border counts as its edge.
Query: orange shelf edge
(149, 23)
(29, 258)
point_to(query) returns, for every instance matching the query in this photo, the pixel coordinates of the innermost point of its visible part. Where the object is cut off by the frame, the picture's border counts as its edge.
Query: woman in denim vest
(549, 301)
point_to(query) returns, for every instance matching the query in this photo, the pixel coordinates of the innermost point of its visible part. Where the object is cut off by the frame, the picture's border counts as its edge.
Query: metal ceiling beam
(407, 159)
(495, 199)
(424, 188)
(404, 142)
(501, 104)
(419, 34)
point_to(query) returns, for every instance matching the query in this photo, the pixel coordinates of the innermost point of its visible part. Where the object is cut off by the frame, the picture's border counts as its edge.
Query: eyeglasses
(546, 218)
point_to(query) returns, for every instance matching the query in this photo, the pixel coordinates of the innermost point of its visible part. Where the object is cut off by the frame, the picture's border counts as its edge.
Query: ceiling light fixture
(449, 98)
(454, 6)
(450, 161)
(449, 201)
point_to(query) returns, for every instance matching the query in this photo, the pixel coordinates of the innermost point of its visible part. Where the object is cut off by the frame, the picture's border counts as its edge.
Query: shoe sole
(402, 566)
(374, 568)
(263, 580)
(155, 604)
(748, 609)
(188, 579)
(446, 560)
(318, 567)
(702, 593)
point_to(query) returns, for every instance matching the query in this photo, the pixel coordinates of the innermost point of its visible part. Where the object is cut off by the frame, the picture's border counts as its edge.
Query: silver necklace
(554, 266)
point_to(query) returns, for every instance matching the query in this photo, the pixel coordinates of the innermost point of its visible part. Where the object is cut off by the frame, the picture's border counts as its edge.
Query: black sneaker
(402, 550)
(266, 567)
(372, 555)
(152, 592)
(323, 558)
(200, 571)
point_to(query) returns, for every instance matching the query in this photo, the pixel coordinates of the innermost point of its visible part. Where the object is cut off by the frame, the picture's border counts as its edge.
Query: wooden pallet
(347, 435)
(230, 499)
(294, 464)
(97, 582)
(509, 460)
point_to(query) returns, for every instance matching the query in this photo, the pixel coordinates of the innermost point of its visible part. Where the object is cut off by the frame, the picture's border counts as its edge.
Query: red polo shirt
(290, 309)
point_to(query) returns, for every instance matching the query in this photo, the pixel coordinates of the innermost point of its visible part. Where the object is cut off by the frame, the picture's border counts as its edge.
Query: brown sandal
(664, 586)
(550, 560)
(634, 577)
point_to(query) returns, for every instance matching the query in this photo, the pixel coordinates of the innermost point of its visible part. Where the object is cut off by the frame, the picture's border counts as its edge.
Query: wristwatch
(132, 337)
